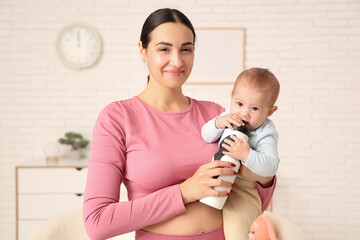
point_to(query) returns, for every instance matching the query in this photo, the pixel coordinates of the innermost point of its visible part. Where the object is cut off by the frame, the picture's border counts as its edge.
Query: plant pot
(75, 154)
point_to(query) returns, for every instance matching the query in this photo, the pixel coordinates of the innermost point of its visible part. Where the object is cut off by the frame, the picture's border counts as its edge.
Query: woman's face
(170, 54)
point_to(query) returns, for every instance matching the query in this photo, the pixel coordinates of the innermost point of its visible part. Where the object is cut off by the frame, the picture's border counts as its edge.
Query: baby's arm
(209, 132)
(263, 160)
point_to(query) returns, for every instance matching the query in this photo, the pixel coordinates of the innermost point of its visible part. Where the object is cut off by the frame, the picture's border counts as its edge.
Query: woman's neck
(165, 100)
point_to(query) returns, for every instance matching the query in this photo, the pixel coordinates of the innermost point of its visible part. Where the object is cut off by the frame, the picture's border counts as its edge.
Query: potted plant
(77, 143)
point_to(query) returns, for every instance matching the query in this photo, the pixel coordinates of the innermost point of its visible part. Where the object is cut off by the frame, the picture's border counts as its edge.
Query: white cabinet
(44, 191)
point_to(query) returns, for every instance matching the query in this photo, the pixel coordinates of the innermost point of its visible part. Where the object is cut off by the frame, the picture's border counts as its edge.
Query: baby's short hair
(261, 79)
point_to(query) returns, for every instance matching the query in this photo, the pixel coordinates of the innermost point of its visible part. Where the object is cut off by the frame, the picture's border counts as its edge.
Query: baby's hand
(237, 148)
(226, 120)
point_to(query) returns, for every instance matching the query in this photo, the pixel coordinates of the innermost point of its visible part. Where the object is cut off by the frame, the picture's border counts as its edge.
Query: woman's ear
(272, 110)
(141, 50)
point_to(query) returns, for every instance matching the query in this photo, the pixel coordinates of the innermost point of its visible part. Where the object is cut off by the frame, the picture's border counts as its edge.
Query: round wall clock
(79, 46)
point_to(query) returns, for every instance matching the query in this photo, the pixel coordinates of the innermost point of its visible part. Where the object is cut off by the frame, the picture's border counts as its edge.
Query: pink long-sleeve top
(151, 152)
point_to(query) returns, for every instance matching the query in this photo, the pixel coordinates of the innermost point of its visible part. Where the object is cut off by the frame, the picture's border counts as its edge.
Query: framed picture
(219, 55)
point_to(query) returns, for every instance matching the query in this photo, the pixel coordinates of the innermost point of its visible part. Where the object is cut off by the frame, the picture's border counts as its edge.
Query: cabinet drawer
(55, 180)
(43, 206)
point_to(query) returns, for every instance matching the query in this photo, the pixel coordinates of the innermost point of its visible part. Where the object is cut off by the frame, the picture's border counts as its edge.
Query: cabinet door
(44, 192)
(51, 180)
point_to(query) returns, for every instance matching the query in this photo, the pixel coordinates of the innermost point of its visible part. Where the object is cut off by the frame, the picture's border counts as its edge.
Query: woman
(152, 143)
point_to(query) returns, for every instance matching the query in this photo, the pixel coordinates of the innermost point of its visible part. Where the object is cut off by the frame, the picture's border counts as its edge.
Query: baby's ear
(272, 110)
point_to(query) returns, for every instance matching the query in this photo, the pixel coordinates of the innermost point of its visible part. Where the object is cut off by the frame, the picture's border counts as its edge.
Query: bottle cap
(242, 129)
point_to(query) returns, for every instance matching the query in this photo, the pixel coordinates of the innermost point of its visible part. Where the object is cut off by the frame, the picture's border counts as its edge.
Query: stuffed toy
(270, 226)
(262, 229)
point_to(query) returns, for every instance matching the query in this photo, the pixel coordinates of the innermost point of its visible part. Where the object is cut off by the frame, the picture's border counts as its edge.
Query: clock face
(79, 46)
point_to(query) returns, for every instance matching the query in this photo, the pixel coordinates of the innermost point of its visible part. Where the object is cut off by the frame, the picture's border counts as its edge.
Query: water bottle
(242, 131)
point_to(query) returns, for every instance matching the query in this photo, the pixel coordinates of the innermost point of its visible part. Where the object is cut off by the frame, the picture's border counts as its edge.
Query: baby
(252, 101)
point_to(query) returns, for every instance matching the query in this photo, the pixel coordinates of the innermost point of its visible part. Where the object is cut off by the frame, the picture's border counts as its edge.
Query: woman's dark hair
(159, 17)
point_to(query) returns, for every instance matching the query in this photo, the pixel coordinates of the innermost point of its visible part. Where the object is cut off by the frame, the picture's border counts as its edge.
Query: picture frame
(219, 55)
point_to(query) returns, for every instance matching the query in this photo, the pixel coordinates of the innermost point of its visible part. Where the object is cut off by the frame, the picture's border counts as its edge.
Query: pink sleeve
(266, 194)
(104, 215)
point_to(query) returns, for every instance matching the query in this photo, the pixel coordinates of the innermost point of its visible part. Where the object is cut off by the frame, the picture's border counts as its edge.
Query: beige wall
(312, 46)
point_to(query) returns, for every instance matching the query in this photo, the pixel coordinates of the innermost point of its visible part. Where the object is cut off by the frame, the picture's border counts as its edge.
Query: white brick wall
(313, 46)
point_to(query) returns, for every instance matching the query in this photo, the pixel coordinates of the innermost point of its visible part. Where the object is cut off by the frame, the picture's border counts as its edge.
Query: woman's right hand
(202, 183)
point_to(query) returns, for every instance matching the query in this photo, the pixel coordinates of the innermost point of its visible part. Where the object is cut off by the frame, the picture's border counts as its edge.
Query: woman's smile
(174, 73)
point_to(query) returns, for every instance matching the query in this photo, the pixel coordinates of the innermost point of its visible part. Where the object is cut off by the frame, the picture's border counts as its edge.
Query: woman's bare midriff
(198, 218)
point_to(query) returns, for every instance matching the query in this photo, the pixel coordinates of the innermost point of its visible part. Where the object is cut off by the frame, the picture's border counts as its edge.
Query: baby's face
(252, 105)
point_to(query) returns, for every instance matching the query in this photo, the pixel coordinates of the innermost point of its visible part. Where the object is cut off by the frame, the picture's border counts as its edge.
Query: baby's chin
(252, 127)
(249, 127)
